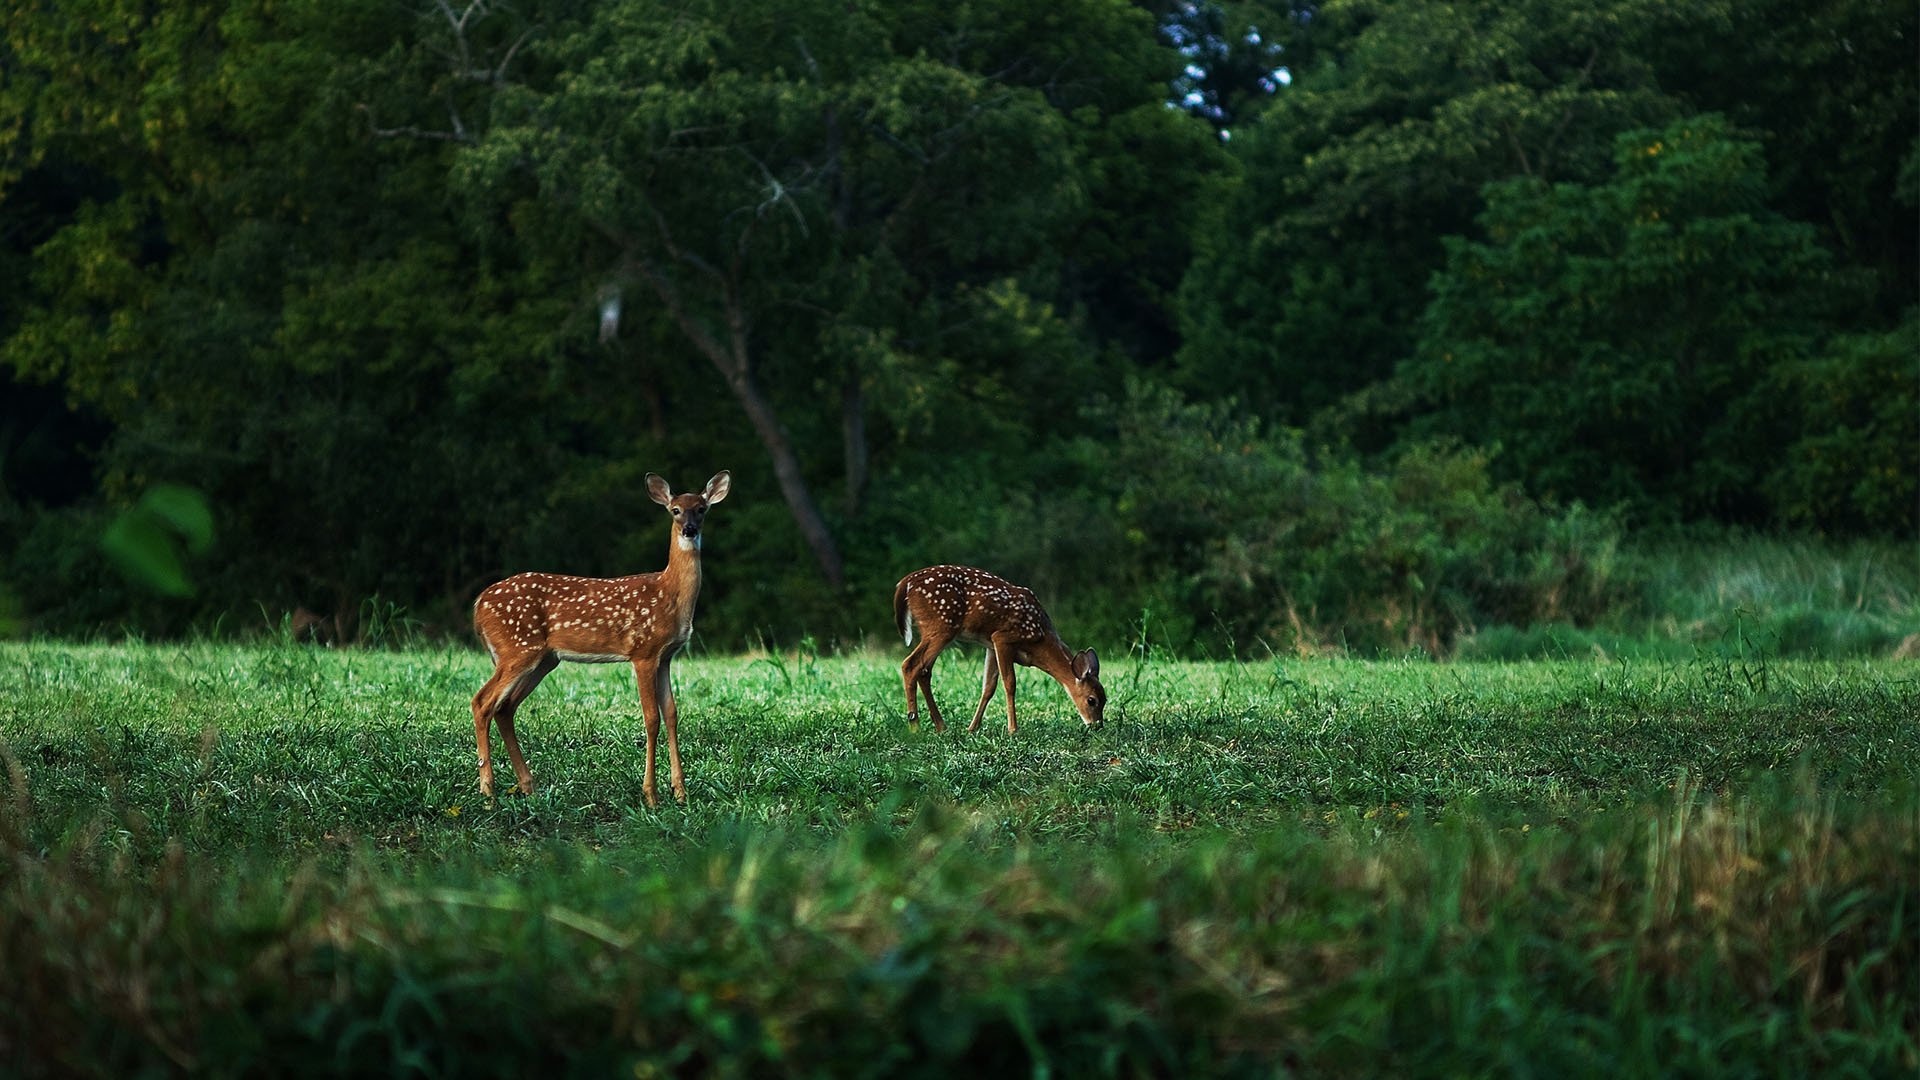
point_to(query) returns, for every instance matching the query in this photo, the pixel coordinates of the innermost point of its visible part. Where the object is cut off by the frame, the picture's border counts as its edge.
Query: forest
(1350, 325)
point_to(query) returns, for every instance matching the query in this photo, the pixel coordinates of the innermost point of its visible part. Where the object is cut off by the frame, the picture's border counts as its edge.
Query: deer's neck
(1053, 658)
(682, 575)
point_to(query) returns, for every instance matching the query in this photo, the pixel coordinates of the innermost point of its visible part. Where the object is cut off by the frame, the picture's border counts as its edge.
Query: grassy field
(243, 858)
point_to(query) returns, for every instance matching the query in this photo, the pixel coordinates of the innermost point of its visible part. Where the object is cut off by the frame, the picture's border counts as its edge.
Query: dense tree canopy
(1619, 337)
(414, 296)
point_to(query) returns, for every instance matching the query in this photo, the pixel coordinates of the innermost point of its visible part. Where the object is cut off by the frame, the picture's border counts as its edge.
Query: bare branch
(464, 59)
(1566, 117)
(678, 255)
(459, 22)
(458, 135)
(776, 194)
(1519, 151)
(887, 136)
(500, 69)
(813, 66)
(453, 117)
(702, 338)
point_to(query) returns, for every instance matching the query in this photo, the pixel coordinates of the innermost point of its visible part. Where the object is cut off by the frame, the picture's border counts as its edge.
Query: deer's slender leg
(910, 675)
(522, 778)
(508, 670)
(937, 645)
(1004, 656)
(663, 693)
(920, 674)
(481, 723)
(988, 683)
(509, 705)
(646, 672)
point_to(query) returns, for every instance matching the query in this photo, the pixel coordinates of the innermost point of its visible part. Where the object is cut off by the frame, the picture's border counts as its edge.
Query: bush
(1224, 533)
(1852, 469)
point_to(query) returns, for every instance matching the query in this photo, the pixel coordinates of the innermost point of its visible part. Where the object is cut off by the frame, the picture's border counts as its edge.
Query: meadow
(232, 858)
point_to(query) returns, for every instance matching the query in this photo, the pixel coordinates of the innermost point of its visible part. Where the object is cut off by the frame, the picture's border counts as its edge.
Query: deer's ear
(718, 487)
(657, 490)
(1086, 665)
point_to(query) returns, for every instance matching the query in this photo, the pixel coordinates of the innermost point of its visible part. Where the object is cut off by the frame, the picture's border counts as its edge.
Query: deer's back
(974, 604)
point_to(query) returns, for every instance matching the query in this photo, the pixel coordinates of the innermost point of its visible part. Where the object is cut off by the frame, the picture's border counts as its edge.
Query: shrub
(1852, 468)
(1229, 533)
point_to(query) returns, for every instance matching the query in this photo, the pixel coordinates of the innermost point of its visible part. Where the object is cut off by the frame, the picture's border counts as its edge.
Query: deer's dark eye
(676, 511)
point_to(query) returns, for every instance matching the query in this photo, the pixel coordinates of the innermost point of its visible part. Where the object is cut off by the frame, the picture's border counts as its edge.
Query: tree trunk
(735, 367)
(786, 469)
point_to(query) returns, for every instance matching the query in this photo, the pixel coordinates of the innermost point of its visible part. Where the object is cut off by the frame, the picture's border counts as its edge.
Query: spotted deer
(531, 622)
(949, 602)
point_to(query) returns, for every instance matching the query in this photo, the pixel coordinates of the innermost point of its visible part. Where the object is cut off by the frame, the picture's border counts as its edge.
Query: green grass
(241, 859)
(1740, 597)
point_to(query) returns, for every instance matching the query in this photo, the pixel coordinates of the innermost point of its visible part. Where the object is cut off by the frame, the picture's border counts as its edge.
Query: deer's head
(1087, 693)
(689, 510)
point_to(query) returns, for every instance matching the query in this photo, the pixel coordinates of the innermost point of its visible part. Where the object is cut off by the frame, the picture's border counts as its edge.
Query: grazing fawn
(951, 602)
(531, 622)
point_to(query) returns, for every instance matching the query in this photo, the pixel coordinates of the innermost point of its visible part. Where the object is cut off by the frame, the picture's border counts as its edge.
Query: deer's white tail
(902, 621)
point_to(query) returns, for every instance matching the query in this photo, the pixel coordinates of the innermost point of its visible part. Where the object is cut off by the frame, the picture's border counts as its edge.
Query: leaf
(144, 542)
(140, 546)
(186, 510)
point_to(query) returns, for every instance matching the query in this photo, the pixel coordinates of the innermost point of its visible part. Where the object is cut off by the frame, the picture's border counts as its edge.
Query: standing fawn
(531, 622)
(951, 602)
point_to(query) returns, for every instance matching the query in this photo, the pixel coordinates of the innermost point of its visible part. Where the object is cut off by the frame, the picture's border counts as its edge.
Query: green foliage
(1832, 90)
(1616, 340)
(1364, 177)
(1858, 403)
(294, 331)
(232, 859)
(1308, 270)
(1232, 535)
(370, 347)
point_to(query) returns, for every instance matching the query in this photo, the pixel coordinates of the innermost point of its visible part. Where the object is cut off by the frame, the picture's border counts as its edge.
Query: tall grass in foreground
(1774, 934)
